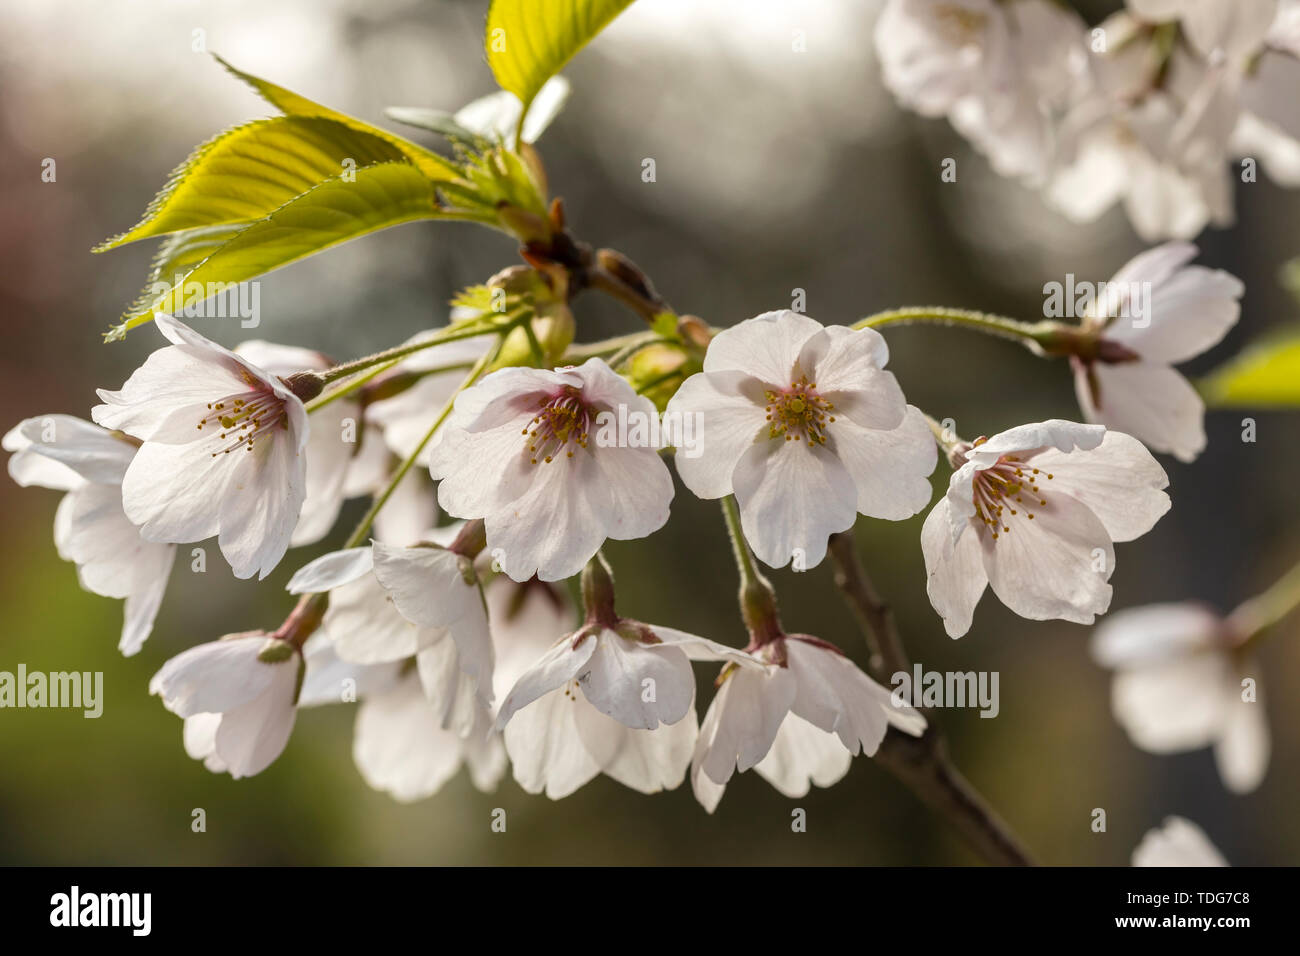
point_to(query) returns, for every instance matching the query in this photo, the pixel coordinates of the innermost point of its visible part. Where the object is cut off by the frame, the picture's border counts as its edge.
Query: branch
(921, 762)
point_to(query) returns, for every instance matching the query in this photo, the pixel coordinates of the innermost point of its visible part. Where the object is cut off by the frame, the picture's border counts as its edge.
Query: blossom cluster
(454, 640)
(1148, 109)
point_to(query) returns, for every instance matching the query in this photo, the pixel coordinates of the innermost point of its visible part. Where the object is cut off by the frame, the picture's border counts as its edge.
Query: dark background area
(776, 170)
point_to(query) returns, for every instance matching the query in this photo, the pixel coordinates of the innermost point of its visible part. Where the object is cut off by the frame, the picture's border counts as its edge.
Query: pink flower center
(239, 420)
(1006, 491)
(563, 418)
(798, 413)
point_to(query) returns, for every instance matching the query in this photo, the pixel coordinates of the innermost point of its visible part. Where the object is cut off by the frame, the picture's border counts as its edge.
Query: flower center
(563, 418)
(1000, 488)
(798, 413)
(239, 420)
(959, 25)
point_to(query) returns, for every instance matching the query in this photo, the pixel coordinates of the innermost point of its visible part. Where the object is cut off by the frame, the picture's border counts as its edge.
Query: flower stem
(1031, 335)
(451, 334)
(368, 519)
(1264, 610)
(757, 599)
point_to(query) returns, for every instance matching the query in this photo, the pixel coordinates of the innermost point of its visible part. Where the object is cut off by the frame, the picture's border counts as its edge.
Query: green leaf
(529, 41)
(333, 212)
(248, 172)
(1263, 375)
(427, 161)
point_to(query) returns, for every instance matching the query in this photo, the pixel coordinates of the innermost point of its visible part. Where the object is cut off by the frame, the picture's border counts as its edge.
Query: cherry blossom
(804, 426)
(519, 452)
(613, 699)
(1182, 683)
(237, 696)
(1034, 512)
(389, 604)
(1130, 386)
(222, 450)
(1178, 842)
(90, 528)
(329, 451)
(796, 711)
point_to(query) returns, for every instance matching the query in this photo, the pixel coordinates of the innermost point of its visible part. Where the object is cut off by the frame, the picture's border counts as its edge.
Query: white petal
(554, 669)
(639, 685)
(1173, 706)
(399, 747)
(1056, 565)
(743, 720)
(1190, 313)
(1152, 403)
(253, 734)
(889, 468)
(428, 588)
(1054, 433)
(91, 452)
(1178, 843)
(648, 761)
(1153, 634)
(546, 752)
(833, 693)
(792, 498)
(766, 346)
(557, 526)
(955, 576)
(731, 421)
(331, 570)
(1118, 480)
(802, 755)
(365, 627)
(263, 499)
(214, 677)
(1242, 750)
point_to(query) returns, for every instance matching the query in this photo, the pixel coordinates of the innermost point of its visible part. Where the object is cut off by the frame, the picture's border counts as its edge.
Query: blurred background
(776, 171)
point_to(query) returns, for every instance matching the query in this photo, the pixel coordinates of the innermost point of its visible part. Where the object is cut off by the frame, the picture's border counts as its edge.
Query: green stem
(320, 401)
(453, 334)
(368, 519)
(1028, 334)
(757, 599)
(1264, 610)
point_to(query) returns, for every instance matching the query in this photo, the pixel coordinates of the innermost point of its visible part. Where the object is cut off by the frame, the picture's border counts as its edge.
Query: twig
(921, 762)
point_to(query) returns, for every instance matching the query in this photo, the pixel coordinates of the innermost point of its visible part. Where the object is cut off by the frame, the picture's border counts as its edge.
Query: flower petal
(890, 468)
(766, 346)
(955, 576)
(1054, 566)
(792, 498)
(1118, 480)
(1152, 403)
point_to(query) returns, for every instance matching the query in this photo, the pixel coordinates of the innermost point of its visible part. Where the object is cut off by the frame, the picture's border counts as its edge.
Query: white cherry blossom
(90, 528)
(222, 450)
(1033, 512)
(1179, 685)
(1178, 842)
(803, 425)
(237, 696)
(389, 604)
(329, 452)
(796, 711)
(617, 699)
(519, 452)
(1137, 391)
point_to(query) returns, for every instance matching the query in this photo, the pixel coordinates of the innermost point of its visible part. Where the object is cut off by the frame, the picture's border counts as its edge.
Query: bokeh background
(776, 170)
